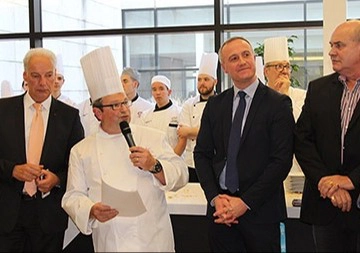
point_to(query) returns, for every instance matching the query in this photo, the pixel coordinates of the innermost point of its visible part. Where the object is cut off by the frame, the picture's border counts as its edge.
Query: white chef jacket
(90, 125)
(137, 107)
(66, 100)
(297, 97)
(165, 120)
(106, 157)
(190, 116)
(87, 118)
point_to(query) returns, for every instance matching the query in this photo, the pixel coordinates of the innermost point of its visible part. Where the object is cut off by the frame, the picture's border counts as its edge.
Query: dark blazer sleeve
(209, 151)
(63, 131)
(318, 148)
(265, 154)
(319, 120)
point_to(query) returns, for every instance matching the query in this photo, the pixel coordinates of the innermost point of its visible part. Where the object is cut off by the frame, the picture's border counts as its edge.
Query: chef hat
(6, 89)
(260, 68)
(208, 64)
(133, 73)
(59, 64)
(161, 79)
(101, 74)
(276, 49)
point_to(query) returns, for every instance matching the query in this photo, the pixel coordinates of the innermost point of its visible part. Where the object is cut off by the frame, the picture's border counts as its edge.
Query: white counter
(190, 200)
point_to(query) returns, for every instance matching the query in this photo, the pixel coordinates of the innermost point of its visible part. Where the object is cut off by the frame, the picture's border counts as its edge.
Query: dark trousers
(246, 236)
(81, 243)
(338, 236)
(193, 178)
(28, 235)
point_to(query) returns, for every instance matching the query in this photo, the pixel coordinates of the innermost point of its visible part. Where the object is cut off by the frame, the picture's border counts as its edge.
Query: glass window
(60, 15)
(11, 63)
(175, 55)
(265, 13)
(180, 16)
(14, 16)
(314, 11)
(72, 49)
(245, 12)
(353, 11)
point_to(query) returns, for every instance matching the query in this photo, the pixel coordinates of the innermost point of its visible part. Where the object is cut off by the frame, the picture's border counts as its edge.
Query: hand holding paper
(128, 204)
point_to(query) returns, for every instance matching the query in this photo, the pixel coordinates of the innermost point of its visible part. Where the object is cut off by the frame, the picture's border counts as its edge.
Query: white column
(334, 13)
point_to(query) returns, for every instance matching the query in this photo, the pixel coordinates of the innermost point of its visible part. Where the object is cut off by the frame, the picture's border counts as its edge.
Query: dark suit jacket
(265, 155)
(317, 149)
(63, 131)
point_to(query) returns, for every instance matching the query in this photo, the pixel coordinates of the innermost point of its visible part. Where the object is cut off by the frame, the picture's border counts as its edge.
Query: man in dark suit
(35, 222)
(327, 147)
(247, 219)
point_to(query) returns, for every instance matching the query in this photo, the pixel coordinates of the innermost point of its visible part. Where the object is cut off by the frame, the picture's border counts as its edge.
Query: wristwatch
(157, 168)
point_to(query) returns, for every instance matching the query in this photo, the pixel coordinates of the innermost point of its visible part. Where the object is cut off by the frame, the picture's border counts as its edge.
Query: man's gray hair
(133, 73)
(39, 51)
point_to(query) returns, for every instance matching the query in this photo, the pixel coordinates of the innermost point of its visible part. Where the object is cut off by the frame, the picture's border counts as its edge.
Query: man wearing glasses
(144, 171)
(277, 72)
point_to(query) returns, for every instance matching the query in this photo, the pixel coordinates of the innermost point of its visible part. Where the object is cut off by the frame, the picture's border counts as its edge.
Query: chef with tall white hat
(139, 175)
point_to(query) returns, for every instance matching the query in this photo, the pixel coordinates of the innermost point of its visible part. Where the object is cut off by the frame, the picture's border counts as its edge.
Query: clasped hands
(44, 178)
(336, 188)
(228, 209)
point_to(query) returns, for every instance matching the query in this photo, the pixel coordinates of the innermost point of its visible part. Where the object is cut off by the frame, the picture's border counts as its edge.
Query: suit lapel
(19, 122)
(50, 129)
(335, 92)
(355, 116)
(227, 119)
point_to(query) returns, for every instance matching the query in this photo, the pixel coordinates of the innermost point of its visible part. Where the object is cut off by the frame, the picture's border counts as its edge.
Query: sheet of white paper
(129, 204)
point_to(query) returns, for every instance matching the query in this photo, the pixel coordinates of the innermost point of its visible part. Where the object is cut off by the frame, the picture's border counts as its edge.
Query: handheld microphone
(126, 131)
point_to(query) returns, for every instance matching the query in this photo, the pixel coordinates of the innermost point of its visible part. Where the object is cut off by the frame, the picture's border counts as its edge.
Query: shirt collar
(250, 90)
(28, 102)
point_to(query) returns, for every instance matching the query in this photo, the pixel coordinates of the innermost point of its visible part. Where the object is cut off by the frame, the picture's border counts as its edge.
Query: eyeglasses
(280, 67)
(117, 106)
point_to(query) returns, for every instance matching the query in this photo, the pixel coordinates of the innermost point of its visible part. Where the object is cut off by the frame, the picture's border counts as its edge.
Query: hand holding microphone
(126, 131)
(139, 156)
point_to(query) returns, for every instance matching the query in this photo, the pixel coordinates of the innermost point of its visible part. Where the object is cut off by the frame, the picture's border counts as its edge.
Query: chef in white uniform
(59, 82)
(165, 115)
(104, 157)
(277, 71)
(192, 109)
(130, 79)
(87, 117)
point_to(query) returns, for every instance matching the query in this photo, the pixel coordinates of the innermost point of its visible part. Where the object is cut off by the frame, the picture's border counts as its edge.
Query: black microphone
(126, 131)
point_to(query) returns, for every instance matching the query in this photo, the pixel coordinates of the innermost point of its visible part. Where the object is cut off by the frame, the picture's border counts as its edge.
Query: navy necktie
(231, 177)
